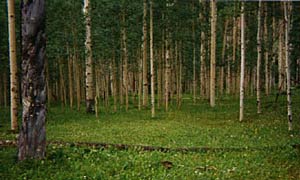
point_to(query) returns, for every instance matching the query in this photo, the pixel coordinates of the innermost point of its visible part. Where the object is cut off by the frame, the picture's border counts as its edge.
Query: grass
(267, 145)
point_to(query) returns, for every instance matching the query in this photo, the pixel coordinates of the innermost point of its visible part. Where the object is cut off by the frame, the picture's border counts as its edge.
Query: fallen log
(95, 145)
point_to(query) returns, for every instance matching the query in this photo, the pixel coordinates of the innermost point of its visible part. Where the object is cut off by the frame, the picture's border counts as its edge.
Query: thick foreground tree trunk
(32, 139)
(13, 65)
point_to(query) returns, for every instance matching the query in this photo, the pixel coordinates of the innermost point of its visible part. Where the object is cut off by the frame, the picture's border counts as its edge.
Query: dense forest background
(178, 23)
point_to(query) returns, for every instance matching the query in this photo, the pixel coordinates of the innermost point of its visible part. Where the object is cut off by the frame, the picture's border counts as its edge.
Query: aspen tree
(258, 58)
(194, 60)
(242, 62)
(266, 51)
(287, 63)
(145, 64)
(125, 61)
(151, 62)
(13, 65)
(202, 49)
(213, 53)
(90, 101)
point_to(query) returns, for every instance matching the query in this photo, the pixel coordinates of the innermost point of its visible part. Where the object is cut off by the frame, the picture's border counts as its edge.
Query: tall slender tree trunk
(202, 50)
(222, 70)
(145, 66)
(5, 83)
(228, 77)
(114, 81)
(78, 89)
(213, 54)
(62, 86)
(13, 65)
(1, 91)
(194, 63)
(266, 51)
(287, 63)
(32, 138)
(159, 79)
(167, 70)
(177, 74)
(280, 58)
(180, 76)
(258, 59)
(125, 63)
(272, 74)
(90, 101)
(233, 75)
(242, 63)
(70, 77)
(140, 63)
(48, 88)
(121, 88)
(151, 62)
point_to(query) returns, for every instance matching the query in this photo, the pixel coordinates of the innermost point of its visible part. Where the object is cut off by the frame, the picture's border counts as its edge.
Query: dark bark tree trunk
(32, 139)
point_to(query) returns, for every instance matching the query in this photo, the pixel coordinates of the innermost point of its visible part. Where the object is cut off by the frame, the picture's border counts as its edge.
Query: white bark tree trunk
(242, 63)
(151, 62)
(213, 54)
(90, 101)
(287, 64)
(258, 58)
(13, 65)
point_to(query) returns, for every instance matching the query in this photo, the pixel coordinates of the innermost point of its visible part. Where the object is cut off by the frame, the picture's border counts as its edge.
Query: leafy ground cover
(266, 146)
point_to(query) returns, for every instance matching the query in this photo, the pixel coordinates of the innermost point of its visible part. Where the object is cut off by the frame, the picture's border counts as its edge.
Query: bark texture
(32, 138)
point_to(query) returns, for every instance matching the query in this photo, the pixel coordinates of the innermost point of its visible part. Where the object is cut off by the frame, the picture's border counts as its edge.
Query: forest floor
(261, 147)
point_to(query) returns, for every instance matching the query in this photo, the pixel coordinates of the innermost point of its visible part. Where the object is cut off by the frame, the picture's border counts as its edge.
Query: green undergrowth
(268, 151)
